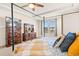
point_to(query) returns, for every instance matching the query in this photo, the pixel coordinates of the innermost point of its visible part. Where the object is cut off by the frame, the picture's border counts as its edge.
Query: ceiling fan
(33, 6)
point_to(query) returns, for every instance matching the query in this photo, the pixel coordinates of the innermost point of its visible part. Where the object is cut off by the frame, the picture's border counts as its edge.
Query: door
(50, 27)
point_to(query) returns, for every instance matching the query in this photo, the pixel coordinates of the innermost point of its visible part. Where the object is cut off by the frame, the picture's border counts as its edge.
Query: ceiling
(49, 8)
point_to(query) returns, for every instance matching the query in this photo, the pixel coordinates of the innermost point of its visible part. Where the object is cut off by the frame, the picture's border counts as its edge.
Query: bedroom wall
(2, 31)
(59, 25)
(39, 27)
(6, 12)
(3, 14)
(71, 23)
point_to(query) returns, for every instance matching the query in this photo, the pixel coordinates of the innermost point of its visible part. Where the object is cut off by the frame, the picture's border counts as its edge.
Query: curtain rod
(63, 14)
(26, 10)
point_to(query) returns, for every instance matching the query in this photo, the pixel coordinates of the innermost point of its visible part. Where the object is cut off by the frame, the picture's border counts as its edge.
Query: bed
(40, 47)
(54, 51)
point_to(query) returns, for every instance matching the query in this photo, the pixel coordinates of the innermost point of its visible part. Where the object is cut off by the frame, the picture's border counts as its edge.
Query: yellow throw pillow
(74, 48)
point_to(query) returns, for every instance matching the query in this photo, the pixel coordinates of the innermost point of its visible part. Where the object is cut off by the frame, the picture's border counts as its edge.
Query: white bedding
(56, 52)
(53, 51)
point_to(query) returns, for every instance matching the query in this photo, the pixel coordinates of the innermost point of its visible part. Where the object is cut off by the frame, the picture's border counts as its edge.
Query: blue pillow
(69, 38)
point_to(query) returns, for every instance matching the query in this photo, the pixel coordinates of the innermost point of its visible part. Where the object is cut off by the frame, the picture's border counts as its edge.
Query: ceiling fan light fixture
(31, 5)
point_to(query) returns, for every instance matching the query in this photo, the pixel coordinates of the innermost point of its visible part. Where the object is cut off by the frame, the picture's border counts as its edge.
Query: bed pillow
(69, 38)
(59, 43)
(74, 48)
(57, 40)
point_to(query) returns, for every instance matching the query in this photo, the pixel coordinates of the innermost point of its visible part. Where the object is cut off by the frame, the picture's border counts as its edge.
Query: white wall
(39, 27)
(71, 23)
(2, 32)
(59, 25)
(3, 14)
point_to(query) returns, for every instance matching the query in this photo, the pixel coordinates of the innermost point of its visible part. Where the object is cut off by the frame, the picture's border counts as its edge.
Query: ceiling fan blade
(25, 5)
(39, 5)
